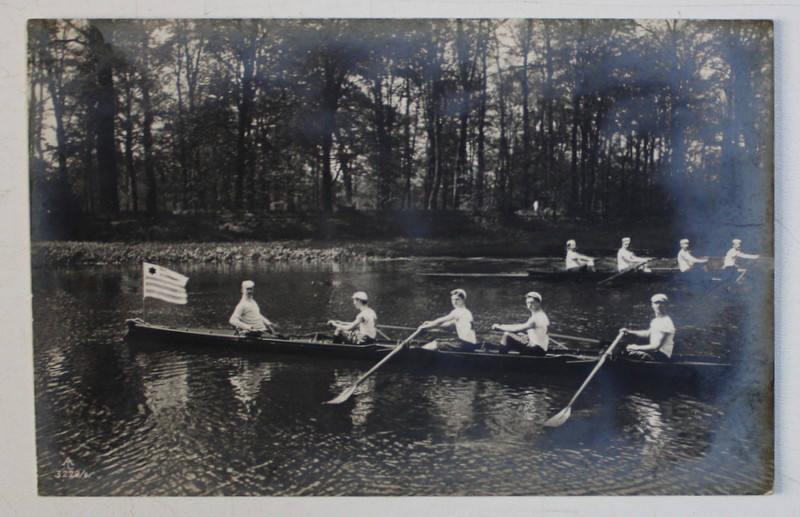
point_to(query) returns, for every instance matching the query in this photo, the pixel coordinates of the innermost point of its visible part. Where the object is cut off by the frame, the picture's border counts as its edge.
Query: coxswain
(247, 316)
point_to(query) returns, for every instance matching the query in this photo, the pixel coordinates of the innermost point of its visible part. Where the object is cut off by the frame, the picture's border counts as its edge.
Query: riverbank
(56, 253)
(71, 253)
(355, 237)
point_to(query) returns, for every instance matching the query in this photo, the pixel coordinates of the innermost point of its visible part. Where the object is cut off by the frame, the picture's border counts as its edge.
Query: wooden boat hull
(580, 276)
(599, 276)
(557, 362)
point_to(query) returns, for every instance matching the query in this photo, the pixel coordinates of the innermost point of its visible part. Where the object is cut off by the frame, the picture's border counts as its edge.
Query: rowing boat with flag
(575, 359)
(164, 284)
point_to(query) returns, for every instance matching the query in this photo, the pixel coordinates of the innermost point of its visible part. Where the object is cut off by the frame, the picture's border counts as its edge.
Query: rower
(247, 316)
(687, 261)
(660, 335)
(460, 318)
(627, 260)
(360, 331)
(529, 338)
(576, 262)
(731, 265)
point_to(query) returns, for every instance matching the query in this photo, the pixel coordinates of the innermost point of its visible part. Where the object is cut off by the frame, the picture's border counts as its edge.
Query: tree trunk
(246, 98)
(130, 166)
(104, 111)
(481, 143)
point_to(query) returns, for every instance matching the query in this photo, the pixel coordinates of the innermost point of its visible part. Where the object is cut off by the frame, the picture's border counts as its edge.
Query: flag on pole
(161, 283)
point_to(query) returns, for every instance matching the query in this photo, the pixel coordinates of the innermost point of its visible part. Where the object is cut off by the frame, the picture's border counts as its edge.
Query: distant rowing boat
(558, 361)
(561, 276)
(656, 275)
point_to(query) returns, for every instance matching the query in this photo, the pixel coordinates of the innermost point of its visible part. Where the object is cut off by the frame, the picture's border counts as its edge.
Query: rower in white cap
(731, 265)
(460, 318)
(687, 261)
(247, 315)
(660, 335)
(575, 261)
(627, 260)
(529, 338)
(360, 331)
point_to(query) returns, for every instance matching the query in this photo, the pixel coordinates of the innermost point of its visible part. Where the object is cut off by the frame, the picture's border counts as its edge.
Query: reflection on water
(120, 419)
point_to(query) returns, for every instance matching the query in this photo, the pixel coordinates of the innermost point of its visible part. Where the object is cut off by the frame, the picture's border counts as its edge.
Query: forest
(596, 120)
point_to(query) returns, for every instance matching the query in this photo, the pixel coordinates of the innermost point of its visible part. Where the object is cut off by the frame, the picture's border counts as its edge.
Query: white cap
(735, 241)
(684, 241)
(360, 295)
(659, 298)
(626, 239)
(248, 283)
(460, 293)
(571, 241)
(535, 295)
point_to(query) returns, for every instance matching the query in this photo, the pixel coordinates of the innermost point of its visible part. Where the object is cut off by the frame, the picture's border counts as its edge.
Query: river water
(116, 418)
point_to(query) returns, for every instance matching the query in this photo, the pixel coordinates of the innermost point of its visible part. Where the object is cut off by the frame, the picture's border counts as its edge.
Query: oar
(349, 391)
(627, 269)
(564, 414)
(396, 327)
(552, 334)
(576, 338)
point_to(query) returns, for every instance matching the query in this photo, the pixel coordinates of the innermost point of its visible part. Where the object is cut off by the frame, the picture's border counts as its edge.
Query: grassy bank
(55, 253)
(344, 237)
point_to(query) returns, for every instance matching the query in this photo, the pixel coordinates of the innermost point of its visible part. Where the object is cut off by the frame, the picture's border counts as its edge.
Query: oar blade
(349, 391)
(559, 418)
(343, 396)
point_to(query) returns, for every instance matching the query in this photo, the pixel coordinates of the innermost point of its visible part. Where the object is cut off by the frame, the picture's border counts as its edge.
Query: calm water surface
(115, 418)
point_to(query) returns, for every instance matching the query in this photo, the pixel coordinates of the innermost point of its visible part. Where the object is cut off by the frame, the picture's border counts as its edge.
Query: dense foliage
(597, 119)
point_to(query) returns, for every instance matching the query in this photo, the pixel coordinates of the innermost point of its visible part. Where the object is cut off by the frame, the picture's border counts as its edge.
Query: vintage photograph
(402, 257)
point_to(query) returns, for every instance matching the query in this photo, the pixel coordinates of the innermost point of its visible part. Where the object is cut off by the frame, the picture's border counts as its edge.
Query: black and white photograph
(380, 258)
(402, 257)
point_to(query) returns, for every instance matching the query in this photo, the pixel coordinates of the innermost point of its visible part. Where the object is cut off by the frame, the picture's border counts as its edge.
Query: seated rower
(687, 261)
(529, 338)
(626, 259)
(660, 335)
(576, 262)
(360, 331)
(247, 316)
(460, 318)
(731, 265)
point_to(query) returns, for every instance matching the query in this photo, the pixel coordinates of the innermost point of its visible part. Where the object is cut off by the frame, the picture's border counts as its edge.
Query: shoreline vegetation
(175, 239)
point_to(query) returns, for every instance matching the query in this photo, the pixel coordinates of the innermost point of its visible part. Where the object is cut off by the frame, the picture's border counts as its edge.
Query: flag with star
(164, 284)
